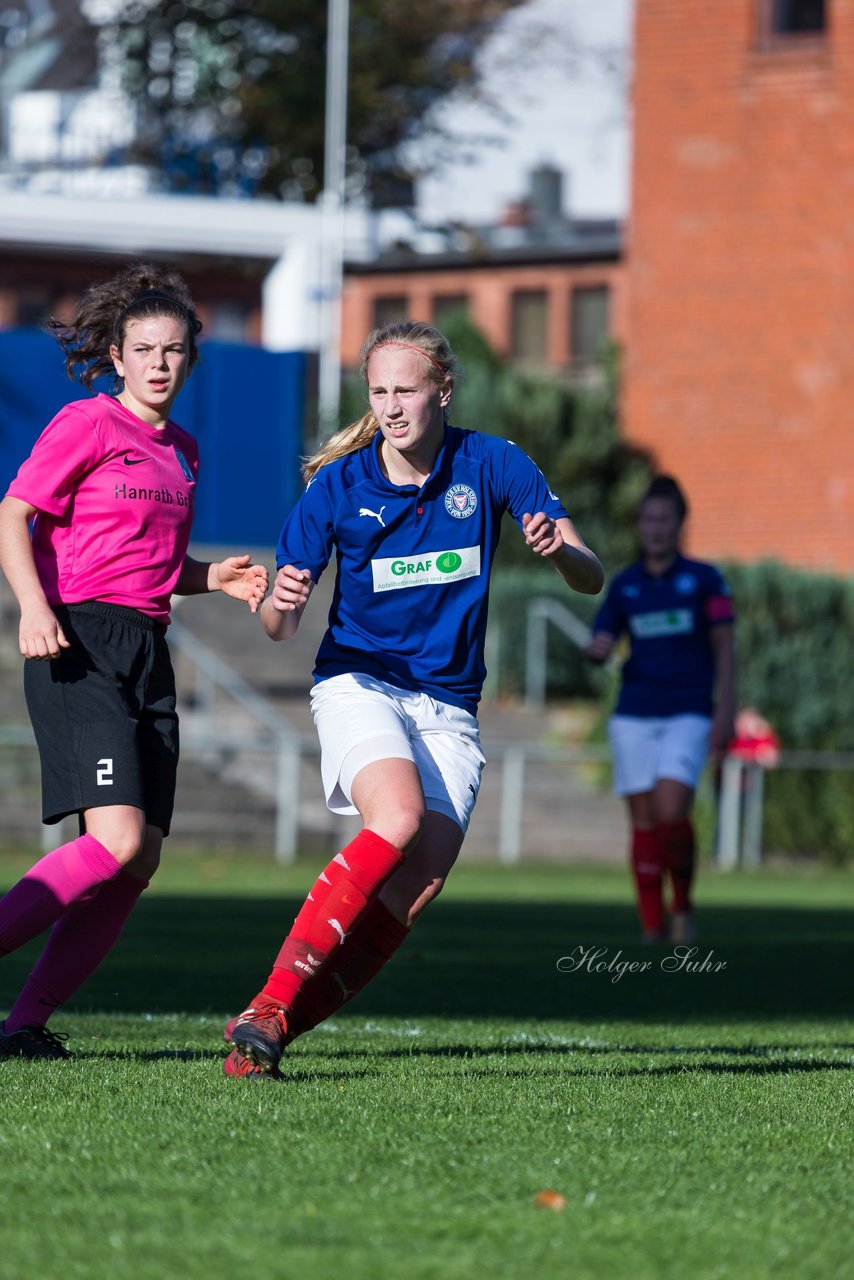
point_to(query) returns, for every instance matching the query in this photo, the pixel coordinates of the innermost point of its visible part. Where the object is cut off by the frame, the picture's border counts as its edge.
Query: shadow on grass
(335, 1066)
(295, 1072)
(486, 960)
(622, 1072)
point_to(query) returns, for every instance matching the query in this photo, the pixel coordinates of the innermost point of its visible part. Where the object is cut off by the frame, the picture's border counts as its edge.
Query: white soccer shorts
(361, 720)
(646, 748)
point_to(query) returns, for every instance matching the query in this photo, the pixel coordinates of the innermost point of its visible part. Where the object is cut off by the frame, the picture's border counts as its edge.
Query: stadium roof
(152, 223)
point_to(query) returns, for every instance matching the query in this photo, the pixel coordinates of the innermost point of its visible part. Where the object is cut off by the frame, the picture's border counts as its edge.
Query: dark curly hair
(667, 487)
(103, 313)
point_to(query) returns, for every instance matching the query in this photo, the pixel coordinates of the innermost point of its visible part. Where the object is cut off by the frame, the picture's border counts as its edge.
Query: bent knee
(401, 828)
(125, 846)
(137, 848)
(671, 815)
(146, 861)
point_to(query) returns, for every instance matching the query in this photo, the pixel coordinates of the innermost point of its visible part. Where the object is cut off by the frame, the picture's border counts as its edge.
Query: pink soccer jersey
(115, 504)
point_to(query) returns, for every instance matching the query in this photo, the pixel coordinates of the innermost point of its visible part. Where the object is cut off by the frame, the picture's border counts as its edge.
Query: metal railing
(294, 816)
(738, 839)
(543, 612)
(739, 832)
(213, 676)
(515, 758)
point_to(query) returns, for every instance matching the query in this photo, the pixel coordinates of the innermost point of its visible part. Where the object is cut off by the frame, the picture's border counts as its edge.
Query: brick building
(546, 288)
(37, 282)
(740, 358)
(550, 306)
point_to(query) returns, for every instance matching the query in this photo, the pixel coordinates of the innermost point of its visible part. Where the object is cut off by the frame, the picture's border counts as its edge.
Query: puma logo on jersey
(377, 515)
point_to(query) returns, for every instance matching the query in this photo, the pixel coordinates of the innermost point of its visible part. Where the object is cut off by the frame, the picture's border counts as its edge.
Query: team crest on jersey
(685, 584)
(184, 465)
(460, 501)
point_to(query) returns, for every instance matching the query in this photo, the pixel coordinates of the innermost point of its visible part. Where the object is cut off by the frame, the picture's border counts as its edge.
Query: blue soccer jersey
(413, 563)
(670, 669)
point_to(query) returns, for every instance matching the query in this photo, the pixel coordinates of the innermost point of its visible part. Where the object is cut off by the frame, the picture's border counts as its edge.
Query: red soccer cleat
(260, 1033)
(239, 1067)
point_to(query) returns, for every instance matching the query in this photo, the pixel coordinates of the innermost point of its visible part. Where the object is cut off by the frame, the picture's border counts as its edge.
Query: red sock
(678, 855)
(319, 891)
(646, 869)
(368, 861)
(359, 959)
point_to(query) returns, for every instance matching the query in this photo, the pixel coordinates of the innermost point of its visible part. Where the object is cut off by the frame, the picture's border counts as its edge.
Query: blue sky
(559, 71)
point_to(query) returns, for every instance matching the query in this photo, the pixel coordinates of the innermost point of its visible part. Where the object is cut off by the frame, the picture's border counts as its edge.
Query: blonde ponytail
(348, 440)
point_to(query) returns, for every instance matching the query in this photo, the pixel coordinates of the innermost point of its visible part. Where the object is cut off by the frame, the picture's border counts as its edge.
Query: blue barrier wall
(245, 407)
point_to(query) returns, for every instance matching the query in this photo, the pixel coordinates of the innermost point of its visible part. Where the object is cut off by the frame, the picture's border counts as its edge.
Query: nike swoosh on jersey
(132, 462)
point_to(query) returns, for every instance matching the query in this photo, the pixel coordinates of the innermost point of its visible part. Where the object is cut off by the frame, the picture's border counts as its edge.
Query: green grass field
(698, 1123)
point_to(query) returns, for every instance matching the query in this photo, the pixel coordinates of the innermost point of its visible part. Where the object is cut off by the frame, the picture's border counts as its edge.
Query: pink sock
(40, 897)
(81, 938)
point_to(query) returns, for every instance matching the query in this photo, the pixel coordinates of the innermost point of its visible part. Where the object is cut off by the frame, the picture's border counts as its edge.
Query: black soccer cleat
(32, 1042)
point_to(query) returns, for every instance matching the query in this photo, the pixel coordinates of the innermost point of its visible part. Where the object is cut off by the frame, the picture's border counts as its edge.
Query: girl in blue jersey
(677, 614)
(411, 506)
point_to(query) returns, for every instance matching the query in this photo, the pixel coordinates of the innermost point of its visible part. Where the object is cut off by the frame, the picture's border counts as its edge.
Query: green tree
(571, 431)
(231, 92)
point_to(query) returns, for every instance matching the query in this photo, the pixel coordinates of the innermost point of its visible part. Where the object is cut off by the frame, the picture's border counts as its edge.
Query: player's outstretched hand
(40, 635)
(721, 735)
(242, 580)
(291, 589)
(600, 647)
(542, 534)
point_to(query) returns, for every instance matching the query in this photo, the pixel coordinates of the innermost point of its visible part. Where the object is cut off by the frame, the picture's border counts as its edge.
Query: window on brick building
(528, 324)
(388, 310)
(445, 304)
(793, 17)
(589, 323)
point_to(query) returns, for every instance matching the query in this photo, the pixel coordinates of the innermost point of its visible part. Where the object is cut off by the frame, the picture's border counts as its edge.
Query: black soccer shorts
(104, 716)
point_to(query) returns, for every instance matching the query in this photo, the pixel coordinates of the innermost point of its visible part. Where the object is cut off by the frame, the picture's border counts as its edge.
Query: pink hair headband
(396, 342)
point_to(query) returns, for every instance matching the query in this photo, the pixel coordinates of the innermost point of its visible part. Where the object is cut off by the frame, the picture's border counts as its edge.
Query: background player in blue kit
(677, 614)
(412, 507)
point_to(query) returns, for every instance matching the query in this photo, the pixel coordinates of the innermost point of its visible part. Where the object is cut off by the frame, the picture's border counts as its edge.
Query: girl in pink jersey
(109, 489)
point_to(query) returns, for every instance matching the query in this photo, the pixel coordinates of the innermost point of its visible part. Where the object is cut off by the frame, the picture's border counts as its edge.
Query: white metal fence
(532, 798)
